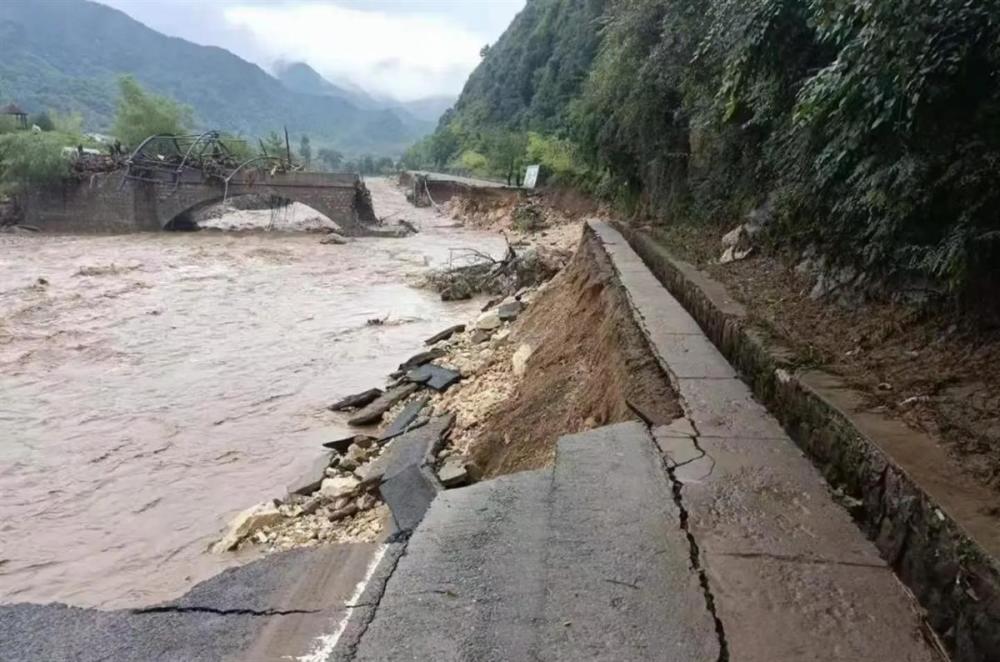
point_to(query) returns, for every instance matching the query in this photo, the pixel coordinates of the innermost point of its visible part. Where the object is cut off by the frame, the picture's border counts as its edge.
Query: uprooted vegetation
(473, 272)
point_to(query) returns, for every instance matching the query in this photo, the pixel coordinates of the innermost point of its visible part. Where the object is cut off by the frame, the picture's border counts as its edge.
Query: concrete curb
(916, 514)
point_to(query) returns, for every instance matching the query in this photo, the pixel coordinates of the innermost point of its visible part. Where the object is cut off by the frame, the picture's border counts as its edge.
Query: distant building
(20, 117)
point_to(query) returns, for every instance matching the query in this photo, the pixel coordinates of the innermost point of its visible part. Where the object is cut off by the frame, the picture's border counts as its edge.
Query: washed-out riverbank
(156, 384)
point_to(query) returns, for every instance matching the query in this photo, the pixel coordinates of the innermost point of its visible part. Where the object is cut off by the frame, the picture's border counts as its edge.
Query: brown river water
(159, 383)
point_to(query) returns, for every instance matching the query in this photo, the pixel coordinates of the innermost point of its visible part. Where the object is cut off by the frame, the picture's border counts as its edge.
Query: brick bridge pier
(107, 202)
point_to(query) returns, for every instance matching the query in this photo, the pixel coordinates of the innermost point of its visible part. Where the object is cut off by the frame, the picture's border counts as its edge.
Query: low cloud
(402, 55)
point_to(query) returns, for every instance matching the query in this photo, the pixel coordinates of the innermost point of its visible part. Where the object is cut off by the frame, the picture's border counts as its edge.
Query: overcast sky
(402, 48)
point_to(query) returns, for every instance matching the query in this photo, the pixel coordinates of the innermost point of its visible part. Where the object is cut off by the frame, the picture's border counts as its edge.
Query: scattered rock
(313, 504)
(371, 473)
(453, 472)
(489, 320)
(356, 400)
(479, 336)
(434, 376)
(445, 335)
(341, 486)
(365, 442)
(346, 511)
(246, 524)
(508, 312)
(365, 501)
(737, 243)
(333, 238)
(373, 412)
(519, 361)
(356, 456)
(831, 281)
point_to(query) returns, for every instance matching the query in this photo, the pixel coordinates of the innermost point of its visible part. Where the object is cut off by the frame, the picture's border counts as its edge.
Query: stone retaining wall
(926, 519)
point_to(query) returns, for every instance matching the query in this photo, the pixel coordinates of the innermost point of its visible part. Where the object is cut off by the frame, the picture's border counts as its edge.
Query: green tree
(505, 151)
(331, 158)
(237, 145)
(43, 121)
(305, 151)
(141, 114)
(28, 158)
(418, 155)
(444, 144)
(474, 163)
(273, 145)
(69, 123)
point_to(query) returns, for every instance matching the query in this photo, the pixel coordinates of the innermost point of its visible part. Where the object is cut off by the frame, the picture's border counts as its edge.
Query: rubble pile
(435, 399)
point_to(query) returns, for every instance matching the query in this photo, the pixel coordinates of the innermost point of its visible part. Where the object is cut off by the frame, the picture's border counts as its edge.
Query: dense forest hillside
(870, 130)
(528, 78)
(66, 56)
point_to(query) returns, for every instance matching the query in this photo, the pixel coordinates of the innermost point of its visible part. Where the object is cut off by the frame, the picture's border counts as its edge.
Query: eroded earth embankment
(583, 363)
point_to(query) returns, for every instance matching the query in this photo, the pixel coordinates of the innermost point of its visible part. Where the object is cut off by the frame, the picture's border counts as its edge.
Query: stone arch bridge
(110, 202)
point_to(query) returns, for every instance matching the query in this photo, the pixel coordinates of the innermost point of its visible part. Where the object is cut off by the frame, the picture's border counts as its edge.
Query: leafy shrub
(28, 158)
(141, 114)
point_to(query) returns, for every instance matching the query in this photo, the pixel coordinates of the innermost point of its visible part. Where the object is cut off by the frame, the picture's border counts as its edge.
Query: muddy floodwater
(152, 385)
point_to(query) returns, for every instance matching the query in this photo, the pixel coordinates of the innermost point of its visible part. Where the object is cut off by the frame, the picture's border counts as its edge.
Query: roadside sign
(531, 176)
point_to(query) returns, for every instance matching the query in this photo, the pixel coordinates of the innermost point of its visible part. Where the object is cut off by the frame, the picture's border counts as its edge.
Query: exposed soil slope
(928, 367)
(589, 359)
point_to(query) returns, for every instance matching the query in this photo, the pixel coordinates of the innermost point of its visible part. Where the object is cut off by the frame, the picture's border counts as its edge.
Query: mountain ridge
(67, 58)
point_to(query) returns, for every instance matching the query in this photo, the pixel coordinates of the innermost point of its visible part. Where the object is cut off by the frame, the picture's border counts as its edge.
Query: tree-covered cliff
(868, 128)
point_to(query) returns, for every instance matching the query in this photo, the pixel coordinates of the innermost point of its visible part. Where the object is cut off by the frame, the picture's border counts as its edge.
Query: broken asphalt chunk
(373, 412)
(444, 335)
(356, 400)
(402, 421)
(434, 376)
(310, 481)
(453, 473)
(420, 359)
(341, 445)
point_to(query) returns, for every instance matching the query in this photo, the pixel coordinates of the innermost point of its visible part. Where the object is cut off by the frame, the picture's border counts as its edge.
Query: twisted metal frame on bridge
(163, 159)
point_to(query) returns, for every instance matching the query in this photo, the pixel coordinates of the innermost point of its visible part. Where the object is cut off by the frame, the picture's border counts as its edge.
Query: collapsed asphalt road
(272, 609)
(709, 538)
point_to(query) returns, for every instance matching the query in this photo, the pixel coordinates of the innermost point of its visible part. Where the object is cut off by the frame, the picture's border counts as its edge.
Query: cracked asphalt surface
(265, 610)
(582, 561)
(711, 538)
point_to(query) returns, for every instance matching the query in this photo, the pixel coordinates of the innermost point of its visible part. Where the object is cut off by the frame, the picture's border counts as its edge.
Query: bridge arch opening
(252, 212)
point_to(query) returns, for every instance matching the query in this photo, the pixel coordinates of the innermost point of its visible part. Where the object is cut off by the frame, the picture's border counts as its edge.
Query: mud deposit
(153, 385)
(927, 367)
(589, 362)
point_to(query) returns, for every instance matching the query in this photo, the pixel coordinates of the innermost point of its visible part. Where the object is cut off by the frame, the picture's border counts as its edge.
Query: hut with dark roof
(20, 117)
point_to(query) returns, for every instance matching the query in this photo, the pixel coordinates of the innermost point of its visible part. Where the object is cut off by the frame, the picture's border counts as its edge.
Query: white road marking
(325, 643)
